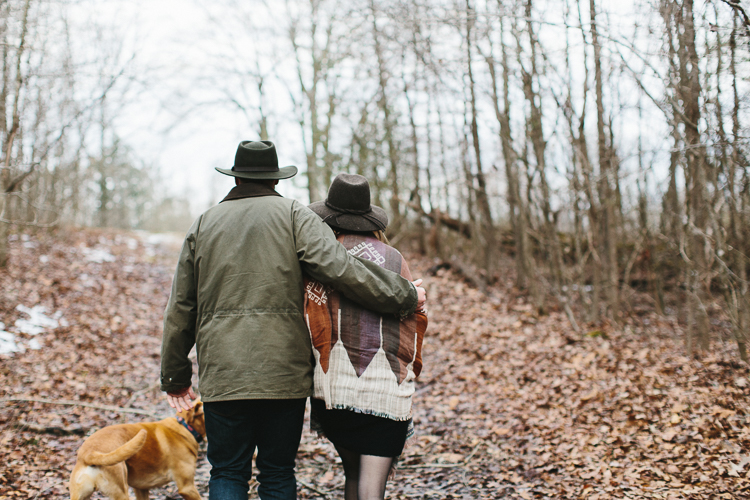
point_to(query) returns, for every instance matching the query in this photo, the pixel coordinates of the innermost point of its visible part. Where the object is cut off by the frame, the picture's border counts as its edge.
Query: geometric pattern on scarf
(363, 332)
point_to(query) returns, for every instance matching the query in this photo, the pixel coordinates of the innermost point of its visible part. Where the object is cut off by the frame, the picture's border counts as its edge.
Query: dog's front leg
(141, 494)
(188, 491)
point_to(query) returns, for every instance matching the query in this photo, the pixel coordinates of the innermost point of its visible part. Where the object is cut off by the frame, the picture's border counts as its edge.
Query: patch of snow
(29, 244)
(86, 280)
(162, 238)
(27, 327)
(43, 259)
(8, 342)
(132, 243)
(38, 321)
(34, 344)
(151, 241)
(98, 255)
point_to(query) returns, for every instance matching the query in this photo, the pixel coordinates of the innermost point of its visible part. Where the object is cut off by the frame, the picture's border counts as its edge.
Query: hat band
(348, 210)
(254, 169)
(365, 214)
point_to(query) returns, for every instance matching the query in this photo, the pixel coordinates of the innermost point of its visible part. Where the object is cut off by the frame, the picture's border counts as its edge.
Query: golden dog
(144, 456)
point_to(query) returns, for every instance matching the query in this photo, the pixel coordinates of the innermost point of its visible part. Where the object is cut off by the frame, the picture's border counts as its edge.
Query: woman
(365, 363)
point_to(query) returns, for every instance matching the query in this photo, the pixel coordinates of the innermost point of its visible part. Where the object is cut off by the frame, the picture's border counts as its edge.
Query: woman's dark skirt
(358, 432)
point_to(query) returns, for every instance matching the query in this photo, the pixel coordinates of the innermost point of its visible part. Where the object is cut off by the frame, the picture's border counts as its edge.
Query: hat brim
(349, 222)
(283, 173)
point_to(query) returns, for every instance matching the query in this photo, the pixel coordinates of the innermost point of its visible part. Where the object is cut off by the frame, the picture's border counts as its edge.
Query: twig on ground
(52, 429)
(78, 403)
(313, 488)
(473, 452)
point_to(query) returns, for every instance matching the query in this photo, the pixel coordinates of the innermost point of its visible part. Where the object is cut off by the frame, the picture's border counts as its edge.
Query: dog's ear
(187, 414)
(197, 417)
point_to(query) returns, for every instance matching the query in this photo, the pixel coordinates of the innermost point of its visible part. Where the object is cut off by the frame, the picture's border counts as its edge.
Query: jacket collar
(250, 190)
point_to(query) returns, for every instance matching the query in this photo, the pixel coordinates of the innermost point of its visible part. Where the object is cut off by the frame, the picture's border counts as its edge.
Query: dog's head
(195, 417)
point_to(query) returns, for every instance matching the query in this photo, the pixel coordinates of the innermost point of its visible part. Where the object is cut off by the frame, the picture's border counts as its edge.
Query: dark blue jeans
(235, 428)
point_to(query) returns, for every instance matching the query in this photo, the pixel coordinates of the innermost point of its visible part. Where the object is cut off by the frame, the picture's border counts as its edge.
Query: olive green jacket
(237, 295)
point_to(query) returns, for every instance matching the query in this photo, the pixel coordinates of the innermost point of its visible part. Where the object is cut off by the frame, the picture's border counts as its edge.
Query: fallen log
(57, 430)
(444, 219)
(477, 280)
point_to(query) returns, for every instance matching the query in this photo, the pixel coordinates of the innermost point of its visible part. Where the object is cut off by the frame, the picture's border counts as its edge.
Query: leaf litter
(509, 404)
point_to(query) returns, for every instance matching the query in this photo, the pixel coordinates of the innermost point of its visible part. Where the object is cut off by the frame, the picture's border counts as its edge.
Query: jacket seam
(248, 312)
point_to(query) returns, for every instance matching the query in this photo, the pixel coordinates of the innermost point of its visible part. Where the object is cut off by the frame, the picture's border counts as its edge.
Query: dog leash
(187, 426)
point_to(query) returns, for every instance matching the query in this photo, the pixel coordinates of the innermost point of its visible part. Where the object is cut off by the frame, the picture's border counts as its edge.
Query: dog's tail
(120, 454)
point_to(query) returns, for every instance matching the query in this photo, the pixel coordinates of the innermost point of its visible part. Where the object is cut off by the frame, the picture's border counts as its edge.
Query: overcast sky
(164, 124)
(180, 42)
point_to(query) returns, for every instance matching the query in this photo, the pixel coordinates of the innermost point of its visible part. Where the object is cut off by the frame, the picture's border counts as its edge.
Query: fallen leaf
(590, 395)
(679, 407)
(669, 435)
(449, 458)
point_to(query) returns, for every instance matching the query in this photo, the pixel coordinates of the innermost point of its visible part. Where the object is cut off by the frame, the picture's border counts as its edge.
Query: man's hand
(421, 296)
(182, 399)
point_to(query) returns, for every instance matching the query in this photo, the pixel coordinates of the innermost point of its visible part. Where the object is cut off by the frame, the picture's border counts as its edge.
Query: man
(238, 296)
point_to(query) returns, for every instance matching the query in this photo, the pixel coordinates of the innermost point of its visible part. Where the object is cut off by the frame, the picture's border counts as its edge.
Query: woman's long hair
(379, 235)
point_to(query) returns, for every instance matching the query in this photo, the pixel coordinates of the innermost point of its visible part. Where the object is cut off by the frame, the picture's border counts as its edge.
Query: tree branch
(741, 11)
(116, 409)
(14, 183)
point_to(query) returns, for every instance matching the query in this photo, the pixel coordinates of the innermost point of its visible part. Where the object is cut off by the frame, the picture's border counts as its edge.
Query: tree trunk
(535, 129)
(513, 194)
(395, 224)
(737, 222)
(488, 229)
(320, 56)
(415, 197)
(607, 180)
(9, 184)
(695, 178)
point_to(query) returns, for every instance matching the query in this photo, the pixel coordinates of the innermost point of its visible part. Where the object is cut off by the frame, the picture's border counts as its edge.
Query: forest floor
(509, 404)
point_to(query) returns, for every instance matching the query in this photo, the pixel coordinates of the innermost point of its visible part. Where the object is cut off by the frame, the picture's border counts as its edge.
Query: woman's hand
(421, 296)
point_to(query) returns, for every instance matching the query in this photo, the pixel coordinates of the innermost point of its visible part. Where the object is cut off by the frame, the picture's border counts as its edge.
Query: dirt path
(509, 405)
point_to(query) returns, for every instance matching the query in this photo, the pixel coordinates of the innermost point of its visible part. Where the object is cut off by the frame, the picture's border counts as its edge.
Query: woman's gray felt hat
(258, 160)
(348, 206)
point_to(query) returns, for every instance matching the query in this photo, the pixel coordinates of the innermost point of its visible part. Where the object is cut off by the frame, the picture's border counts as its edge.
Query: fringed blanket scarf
(364, 362)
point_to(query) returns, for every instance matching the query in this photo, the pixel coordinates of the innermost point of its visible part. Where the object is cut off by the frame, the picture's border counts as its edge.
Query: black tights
(366, 475)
